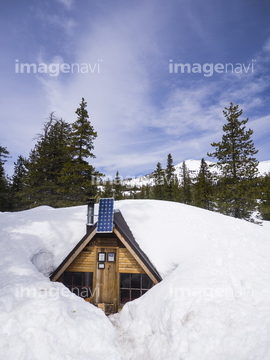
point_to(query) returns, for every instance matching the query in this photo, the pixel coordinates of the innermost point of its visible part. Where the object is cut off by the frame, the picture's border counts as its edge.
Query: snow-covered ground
(40, 320)
(213, 304)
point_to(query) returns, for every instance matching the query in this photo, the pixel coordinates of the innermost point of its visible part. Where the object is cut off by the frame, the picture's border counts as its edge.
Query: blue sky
(141, 110)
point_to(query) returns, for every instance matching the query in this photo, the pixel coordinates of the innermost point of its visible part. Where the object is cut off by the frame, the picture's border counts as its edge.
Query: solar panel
(105, 216)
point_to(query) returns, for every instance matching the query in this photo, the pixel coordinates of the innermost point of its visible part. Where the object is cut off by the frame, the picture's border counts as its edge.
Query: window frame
(102, 256)
(142, 290)
(79, 290)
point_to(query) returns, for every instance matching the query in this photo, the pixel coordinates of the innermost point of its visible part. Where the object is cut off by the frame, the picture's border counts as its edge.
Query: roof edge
(73, 251)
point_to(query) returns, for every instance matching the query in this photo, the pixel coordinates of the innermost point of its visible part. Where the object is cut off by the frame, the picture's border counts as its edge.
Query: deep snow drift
(214, 301)
(40, 320)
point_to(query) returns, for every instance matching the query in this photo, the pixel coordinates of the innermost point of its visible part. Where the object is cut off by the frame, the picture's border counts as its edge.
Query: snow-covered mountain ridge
(213, 303)
(193, 167)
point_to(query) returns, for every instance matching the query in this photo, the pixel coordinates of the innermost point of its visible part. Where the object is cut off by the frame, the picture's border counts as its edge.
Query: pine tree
(18, 185)
(148, 194)
(83, 135)
(107, 189)
(264, 206)
(4, 183)
(171, 184)
(203, 188)
(57, 172)
(145, 192)
(78, 182)
(78, 178)
(186, 192)
(235, 155)
(159, 183)
(46, 162)
(118, 192)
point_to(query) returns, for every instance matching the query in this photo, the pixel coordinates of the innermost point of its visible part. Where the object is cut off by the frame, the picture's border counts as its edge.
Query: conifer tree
(4, 183)
(264, 206)
(235, 155)
(118, 194)
(20, 202)
(171, 180)
(186, 192)
(57, 172)
(159, 186)
(45, 163)
(203, 188)
(78, 178)
(145, 192)
(107, 189)
(83, 135)
(4, 154)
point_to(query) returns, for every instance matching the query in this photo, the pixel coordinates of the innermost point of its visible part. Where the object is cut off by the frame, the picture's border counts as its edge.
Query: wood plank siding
(84, 262)
(128, 264)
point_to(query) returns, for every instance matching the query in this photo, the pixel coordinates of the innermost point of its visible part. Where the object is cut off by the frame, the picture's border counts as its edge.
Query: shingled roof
(125, 231)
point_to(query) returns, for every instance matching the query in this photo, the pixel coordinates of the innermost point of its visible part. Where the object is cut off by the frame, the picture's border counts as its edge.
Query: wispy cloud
(188, 119)
(66, 24)
(58, 20)
(140, 111)
(67, 3)
(117, 96)
(267, 45)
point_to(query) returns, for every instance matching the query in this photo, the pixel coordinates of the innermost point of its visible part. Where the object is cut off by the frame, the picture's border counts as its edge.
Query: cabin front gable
(107, 269)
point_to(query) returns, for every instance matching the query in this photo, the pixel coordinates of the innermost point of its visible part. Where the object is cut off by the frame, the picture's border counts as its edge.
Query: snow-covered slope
(215, 304)
(40, 320)
(212, 304)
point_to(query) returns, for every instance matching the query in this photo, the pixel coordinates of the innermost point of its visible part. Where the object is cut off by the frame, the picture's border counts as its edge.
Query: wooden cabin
(108, 269)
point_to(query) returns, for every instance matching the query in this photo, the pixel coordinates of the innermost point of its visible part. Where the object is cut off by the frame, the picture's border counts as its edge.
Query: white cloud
(135, 131)
(267, 45)
(117, 96)
(188, 110)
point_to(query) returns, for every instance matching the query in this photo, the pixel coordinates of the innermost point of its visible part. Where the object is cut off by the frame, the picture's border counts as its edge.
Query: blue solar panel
(105, 216)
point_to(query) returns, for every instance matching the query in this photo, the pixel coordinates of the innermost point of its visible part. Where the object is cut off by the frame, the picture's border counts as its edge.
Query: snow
(264, 167)
(40, 319)
(213, 303)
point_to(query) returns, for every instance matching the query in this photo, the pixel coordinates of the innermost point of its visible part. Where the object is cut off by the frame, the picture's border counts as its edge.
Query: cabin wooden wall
(128, 264)
(85, 261)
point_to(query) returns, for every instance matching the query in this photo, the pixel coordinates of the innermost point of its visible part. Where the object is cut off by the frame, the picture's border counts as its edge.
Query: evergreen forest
(58, 172)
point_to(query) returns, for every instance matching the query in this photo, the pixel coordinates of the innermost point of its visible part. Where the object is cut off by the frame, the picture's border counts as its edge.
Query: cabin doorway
(107, 282)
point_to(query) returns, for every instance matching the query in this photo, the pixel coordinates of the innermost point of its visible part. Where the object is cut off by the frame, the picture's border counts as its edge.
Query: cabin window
(133, 286)
(80, 283)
